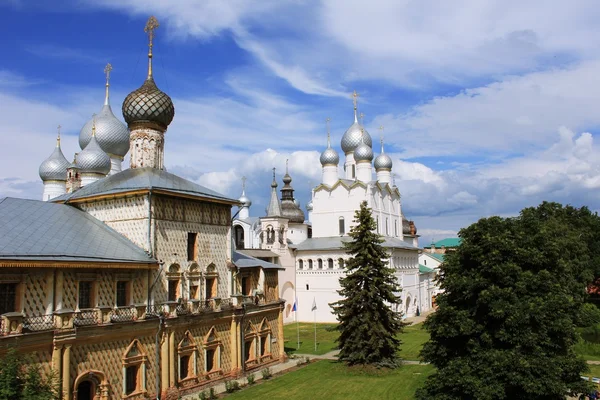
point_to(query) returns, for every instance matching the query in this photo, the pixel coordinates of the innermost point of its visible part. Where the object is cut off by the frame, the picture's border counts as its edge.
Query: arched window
(340, 262)
(320, 263)
(353, 171)
(212, 352)
(239, 237)
(310, 264)
(300, 264)
(264, 348)
(330, 263)
(250, 337)
(134, 369)
(186, 351)
(342, 226)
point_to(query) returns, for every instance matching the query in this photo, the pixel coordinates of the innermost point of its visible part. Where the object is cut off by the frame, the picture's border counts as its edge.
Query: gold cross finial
(273, 173)
(328, 134)
(355, 97)
(151, 25)
(362, 117)
(107, 70)
(93, 125)
(286, 165)
(243, 183)
(58, 137)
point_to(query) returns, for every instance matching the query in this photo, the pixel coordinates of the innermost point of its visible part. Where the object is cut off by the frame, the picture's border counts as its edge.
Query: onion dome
(54, 168)
(112, 135)
(353, 136)
(329, 156)
(309, 206)
(383, 161)
(405, 226)
(93, 159)
(363, 152)
(149, 104)
(289, 208)
(246, 202)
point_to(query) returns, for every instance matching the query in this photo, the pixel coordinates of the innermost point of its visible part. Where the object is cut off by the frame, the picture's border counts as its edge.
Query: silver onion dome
(54, 168)
(93, 159)
(352, 137)
(246, 202)
(112, 135)
(329, 157)
(363, 153)
(383, 161)
(309, 206)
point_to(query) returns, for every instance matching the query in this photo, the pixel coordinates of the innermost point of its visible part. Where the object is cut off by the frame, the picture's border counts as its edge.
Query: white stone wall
(53, 189)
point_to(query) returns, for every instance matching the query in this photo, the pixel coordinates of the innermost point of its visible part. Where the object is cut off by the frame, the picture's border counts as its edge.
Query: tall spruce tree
(368, 327)
(512, 294)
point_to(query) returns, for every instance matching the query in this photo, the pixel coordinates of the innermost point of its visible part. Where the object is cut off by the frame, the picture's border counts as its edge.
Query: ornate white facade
(312, 252)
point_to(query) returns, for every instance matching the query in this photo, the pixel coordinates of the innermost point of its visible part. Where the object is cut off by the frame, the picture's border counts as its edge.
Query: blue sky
(488, 106)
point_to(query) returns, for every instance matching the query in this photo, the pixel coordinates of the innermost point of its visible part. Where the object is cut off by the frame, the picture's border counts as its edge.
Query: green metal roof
(437, 256)
(424, 270)
(448, 242)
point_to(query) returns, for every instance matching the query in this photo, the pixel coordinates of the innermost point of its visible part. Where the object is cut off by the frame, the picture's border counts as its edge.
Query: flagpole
(315, 330)
(297, 326)
(315, 314)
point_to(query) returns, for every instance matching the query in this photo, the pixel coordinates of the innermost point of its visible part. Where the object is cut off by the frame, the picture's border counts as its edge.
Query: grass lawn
(330, 380)
(412, 339)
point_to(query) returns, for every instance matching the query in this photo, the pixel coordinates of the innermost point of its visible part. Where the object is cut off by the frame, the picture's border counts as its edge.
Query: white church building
(312, 251)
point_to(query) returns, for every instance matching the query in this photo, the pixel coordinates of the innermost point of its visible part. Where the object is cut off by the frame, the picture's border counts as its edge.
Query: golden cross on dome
(355, 97)
(362, 117)
(243, 183)
(107, 70)
(328, 134)
(381, 137)
(151, 25)
(58, 137)
(94, 124)
(286, 165)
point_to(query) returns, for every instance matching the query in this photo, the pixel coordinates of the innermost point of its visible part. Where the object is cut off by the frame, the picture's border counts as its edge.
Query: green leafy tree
(36, 387)
(10, 376)
(368, 327)
(512, 294)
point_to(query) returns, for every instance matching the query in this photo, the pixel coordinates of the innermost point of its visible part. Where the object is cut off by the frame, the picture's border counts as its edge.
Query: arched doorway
(86, 390)
(407, 305)
(91, 385)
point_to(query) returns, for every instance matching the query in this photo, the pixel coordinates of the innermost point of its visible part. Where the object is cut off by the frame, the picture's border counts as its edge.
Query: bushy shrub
(232, 386)
(203, 395)
(266, 373)
(250, 379)
(212, 395)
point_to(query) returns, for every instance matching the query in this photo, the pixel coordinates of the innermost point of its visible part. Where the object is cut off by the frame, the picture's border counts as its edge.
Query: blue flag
(294, 307)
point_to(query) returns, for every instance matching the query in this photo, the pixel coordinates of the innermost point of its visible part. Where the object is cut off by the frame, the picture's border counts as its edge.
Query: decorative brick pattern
(271, 289)
(36, 293)
(107, 357)
(69, 294)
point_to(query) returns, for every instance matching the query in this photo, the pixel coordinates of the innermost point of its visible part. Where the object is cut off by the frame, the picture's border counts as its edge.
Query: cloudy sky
(488, 106)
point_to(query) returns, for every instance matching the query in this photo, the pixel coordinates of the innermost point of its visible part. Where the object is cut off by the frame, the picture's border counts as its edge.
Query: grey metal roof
(143, 178)
(243, 261)
(259, 253)
(43, 231)
(335, 243)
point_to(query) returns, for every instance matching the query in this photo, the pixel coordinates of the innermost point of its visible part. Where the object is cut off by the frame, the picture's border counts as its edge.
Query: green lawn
(330, 380)
(412, 339)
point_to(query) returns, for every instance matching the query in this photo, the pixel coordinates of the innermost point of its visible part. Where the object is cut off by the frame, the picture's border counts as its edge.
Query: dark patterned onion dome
(405, 226)
(148, 104)
(54, 168)
(363, 153)
(352, 137)
(93, 159)
(112, 135)
(290, 210)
